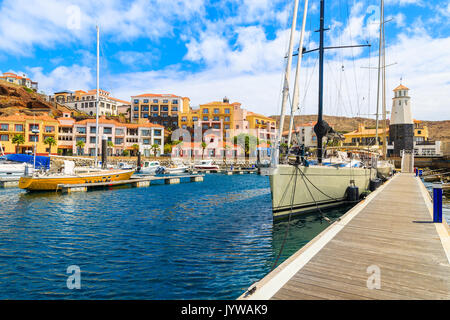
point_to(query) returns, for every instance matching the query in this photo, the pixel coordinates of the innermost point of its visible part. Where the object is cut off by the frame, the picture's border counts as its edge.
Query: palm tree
(155, 148)
(111, 145)
(80, 144)
(18, 139)
(51, 142)
(135, 148)
(203, 148)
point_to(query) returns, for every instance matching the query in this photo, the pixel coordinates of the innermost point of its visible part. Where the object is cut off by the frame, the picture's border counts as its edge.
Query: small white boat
(150, 167)
(11, 169)
(175, 170)
(206, 165)
(125, 166)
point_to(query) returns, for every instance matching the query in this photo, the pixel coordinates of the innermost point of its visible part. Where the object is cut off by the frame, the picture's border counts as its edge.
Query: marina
(391, 231)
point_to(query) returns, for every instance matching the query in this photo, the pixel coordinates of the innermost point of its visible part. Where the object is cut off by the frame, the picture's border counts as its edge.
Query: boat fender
(352, 194)
(374, 184)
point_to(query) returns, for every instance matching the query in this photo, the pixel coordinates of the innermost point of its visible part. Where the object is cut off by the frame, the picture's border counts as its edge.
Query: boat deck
(386, 247)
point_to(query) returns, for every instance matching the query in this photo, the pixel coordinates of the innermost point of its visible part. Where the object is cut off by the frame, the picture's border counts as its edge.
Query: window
(145, 100)
(155, 100)
(4, 137)
(154, 108)
(33, 138)
(136, 108)
(216, 111)
(174, 108)
(205, 118)
(19, 127)
(144, 115)
(227, 111)
(165, 108)
(136, 101)
(165, 101)
(194, 118)
(81, 130)
(227, 126)
(92, 130)
(175, 101)
(183, 119)
(145, 133)
(136, 115)
(216, 126)
(92, 139)
(4, 127)
(146, 141)
(157, 141)
(118, 140)
(205, 110)
(227, 119)
(33, 127)
(49, 129)
(119, 132)
(107, 130)
(154, 114)
(157, 132)
(81, 139)
(144, 108)
(216, 118)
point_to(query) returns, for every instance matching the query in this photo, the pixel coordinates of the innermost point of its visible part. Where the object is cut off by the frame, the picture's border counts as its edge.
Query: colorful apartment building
(162, 109)
(121, 136)
(303, 134)
(32, 129)
(19, 80)
(86, 102)
(229, 118)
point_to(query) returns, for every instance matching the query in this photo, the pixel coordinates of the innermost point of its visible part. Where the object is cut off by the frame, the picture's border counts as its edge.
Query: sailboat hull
(47, 183)
(304, 189)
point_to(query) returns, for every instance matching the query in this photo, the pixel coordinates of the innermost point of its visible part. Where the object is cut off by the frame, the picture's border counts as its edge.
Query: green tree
(80, 147)
(111, 146)
(126, 153)
(167, 148)
(51, 142)
(155, 148)
(18, 139)
(246, 142)
(135, 148)
(203, 148)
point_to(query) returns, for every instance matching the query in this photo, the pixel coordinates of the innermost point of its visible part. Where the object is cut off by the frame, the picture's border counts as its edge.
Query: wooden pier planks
(393, 232)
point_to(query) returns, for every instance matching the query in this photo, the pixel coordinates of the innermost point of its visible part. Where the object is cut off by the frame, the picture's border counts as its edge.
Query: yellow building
(366, 137)
(228, 117)
(23, 125)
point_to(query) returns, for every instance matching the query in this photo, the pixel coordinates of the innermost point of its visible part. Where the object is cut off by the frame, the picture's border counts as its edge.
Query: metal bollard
(416, 171)
(437, 202)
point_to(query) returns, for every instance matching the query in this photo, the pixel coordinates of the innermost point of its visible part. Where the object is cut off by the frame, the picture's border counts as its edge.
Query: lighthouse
(401, 128)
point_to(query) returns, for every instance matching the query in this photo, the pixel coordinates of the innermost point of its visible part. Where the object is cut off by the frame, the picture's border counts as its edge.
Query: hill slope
(438, 130)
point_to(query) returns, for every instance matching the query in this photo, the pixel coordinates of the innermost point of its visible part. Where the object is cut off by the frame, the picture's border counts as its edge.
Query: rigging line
(289, 223)
(326, 195)
(309, 82)
(339, 89)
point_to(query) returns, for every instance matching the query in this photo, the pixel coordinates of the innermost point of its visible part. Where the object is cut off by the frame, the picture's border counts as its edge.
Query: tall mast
(380, 44)
(287, 72)
(297, 74)
(384, 84)
(321, 54)
(98, 96)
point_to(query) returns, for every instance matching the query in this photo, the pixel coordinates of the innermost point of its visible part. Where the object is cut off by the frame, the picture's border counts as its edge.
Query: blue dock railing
(437, 202)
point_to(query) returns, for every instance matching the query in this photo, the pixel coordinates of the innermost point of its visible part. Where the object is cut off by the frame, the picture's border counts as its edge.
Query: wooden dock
(9, 182)
(134, 182)
(386, 247)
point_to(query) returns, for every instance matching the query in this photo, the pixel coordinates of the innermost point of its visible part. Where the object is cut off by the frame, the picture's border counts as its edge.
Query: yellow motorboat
(51, 182)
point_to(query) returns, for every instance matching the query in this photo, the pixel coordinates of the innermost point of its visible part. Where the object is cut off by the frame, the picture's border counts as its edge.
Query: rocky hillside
(438, 130)
(15, 98)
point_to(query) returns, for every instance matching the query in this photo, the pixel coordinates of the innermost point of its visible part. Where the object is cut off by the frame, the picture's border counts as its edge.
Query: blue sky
(207, 49)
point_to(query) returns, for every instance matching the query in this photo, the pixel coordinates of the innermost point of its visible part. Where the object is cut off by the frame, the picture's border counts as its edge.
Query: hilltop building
(19, 80)
(302, 134)
(162, 109)
(87, 101)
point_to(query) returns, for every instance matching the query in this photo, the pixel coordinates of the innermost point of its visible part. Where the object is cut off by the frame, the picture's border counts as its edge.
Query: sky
(208, 49)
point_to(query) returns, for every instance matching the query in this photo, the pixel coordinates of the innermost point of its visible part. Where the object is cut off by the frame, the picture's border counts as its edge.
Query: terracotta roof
(401, 87)
(121, 101)
(120, 124)
(253, 114)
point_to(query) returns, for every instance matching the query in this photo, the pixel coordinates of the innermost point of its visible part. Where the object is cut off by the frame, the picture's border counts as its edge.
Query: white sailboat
(300, 187)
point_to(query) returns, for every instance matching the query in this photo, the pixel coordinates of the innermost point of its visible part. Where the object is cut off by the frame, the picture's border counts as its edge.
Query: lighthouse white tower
(401, 128)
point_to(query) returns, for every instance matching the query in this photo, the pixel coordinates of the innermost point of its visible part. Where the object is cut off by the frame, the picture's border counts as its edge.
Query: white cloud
(63, 78)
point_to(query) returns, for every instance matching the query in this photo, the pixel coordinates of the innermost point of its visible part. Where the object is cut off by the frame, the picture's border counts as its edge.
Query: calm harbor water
(208, 240)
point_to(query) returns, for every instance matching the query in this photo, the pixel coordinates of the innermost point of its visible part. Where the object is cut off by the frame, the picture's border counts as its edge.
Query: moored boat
(206, 165)
(52, 182)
